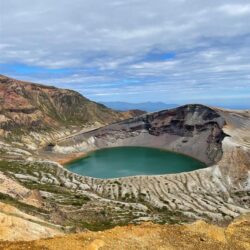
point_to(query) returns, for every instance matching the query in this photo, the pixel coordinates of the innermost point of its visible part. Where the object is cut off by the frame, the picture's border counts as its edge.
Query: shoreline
(76, 156)
(71, 158)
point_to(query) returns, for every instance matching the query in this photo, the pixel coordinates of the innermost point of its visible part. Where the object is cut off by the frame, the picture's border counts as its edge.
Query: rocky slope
(17, 225)
(199, 235)
(133, 113)
(27, 107)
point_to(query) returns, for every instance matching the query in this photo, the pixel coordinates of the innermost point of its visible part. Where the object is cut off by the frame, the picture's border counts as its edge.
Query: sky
(174, 51)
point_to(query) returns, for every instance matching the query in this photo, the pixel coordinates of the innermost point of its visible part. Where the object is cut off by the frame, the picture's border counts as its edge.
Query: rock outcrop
(16, 225)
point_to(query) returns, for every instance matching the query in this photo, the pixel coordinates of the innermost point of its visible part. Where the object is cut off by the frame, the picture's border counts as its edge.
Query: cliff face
(195, 130)
(32, 107)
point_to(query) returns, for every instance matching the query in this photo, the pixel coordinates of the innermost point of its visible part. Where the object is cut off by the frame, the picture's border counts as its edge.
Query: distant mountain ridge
(145, 106)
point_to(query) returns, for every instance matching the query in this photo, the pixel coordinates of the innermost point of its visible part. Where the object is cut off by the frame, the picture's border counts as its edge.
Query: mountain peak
(26, 106)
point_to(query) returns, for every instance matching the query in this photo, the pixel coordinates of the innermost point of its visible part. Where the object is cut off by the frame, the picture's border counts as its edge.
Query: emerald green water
(130, 161)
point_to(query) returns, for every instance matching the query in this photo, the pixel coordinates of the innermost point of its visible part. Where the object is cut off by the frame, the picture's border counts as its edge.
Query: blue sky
(175, 51)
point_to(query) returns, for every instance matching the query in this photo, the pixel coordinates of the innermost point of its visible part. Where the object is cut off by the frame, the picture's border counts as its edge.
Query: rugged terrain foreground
(40, 198)
(196, 236)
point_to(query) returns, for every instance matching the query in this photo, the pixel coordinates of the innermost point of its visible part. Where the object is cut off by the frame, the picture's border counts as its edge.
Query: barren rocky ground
(196, 236)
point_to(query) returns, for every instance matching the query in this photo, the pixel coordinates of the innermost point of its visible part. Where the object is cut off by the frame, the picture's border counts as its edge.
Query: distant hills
(145, 106)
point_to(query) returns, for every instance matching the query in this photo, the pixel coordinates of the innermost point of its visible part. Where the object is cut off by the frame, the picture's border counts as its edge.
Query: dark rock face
(189, 121)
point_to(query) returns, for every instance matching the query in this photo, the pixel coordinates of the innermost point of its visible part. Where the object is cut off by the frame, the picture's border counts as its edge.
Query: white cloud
(116, 46)
(235, 9)
(155, 65)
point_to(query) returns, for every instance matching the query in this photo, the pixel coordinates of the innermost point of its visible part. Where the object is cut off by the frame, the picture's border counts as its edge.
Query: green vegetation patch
(20, 205)
(60, 194)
